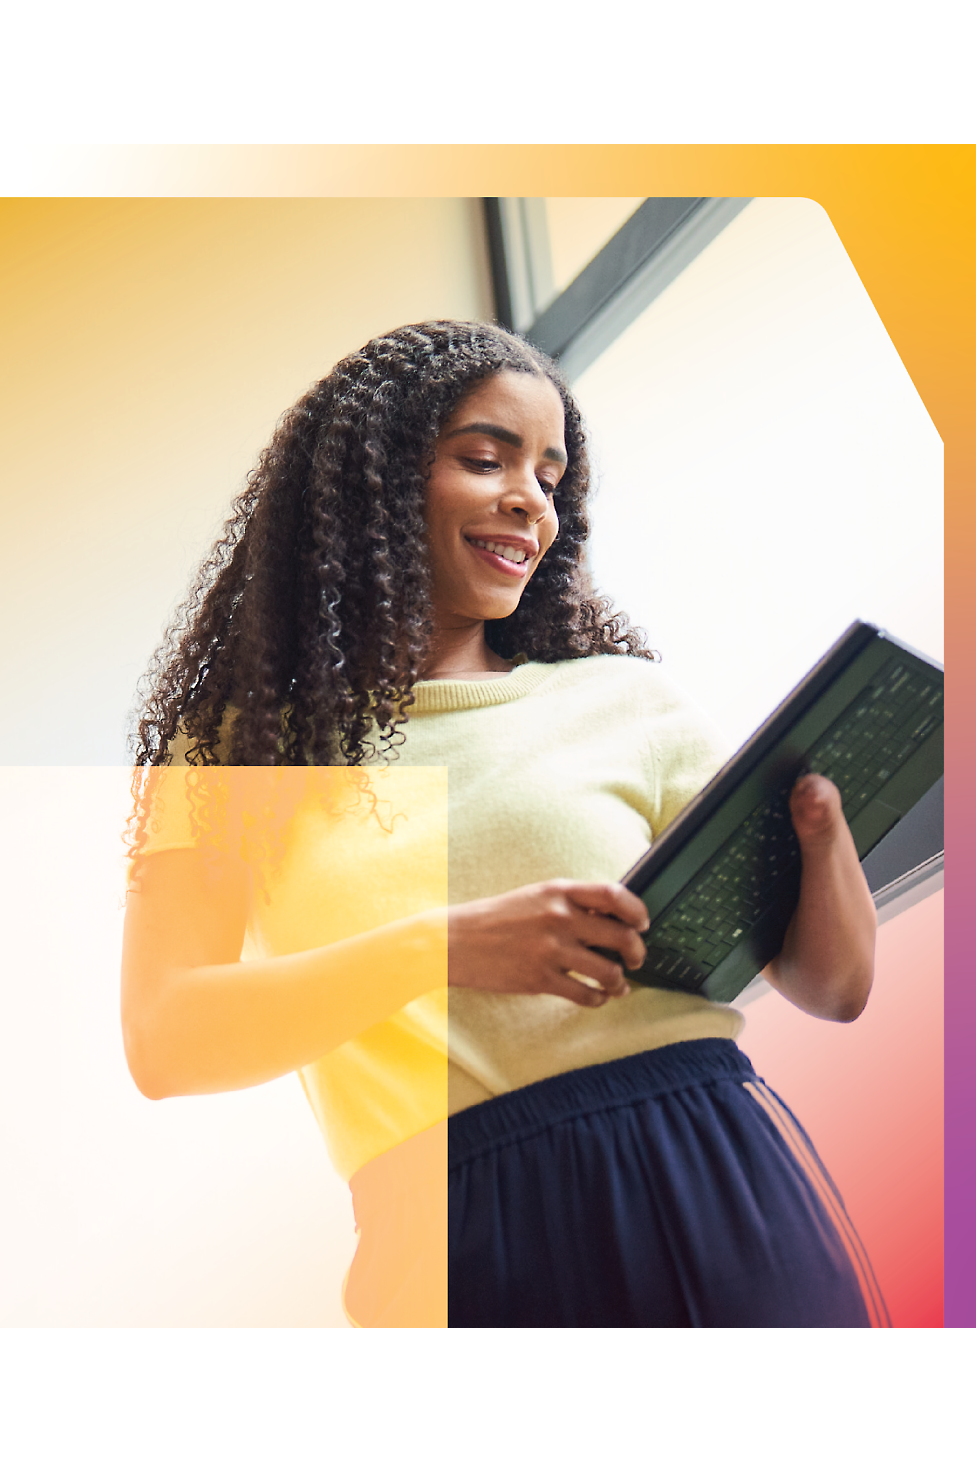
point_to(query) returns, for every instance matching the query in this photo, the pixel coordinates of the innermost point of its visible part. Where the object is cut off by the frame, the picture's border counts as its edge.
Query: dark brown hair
(309, 618)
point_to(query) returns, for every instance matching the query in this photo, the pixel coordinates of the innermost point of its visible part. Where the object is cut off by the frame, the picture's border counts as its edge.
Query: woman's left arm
(826, 966)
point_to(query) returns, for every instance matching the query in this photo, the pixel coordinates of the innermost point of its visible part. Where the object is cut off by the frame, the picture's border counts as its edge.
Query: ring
(586, 980)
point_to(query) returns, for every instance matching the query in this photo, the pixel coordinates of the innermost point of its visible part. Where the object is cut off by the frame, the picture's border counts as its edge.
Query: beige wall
(151, 346)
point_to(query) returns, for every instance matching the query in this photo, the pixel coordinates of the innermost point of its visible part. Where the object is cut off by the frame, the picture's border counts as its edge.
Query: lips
(513, 557)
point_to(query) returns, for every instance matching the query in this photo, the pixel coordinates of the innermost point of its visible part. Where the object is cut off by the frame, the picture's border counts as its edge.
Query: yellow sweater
(555, 770)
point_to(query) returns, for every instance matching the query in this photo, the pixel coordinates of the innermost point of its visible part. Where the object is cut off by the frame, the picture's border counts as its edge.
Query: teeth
(501, 549)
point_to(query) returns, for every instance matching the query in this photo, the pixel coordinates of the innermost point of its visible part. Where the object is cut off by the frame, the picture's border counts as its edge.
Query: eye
(481, 465)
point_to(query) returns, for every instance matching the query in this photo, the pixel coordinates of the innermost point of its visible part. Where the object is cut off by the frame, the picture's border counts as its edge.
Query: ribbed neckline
(441, 695)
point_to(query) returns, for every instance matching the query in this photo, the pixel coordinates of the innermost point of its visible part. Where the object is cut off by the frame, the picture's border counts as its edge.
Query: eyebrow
(507, 437)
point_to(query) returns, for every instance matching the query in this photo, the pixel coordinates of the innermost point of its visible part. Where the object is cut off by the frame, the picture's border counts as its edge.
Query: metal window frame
(520, 258)
(649, 251)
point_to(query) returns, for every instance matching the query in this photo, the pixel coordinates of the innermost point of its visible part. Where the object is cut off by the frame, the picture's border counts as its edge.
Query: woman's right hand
(530, 940)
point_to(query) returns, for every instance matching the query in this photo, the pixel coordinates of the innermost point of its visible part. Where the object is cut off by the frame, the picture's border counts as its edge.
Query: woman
(403, 577)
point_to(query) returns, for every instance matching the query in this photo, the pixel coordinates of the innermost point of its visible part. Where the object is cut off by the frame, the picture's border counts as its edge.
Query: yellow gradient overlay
(296, 918)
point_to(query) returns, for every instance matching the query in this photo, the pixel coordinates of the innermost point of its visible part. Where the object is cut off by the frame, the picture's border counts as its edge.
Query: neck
(459, 652)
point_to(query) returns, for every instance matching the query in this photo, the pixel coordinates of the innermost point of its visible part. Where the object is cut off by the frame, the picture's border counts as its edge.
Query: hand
(826, 965)
(530, 939)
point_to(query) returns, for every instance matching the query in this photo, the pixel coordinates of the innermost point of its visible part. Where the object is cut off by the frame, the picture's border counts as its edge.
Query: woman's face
(490, 513)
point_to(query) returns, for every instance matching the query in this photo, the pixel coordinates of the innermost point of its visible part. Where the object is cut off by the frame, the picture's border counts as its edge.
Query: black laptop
(722, 881)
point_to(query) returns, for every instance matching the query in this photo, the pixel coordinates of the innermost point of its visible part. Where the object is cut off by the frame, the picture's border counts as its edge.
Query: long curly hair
(307, 625)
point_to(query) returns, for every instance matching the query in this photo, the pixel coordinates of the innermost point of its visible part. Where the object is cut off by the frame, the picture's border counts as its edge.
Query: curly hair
(308, 623)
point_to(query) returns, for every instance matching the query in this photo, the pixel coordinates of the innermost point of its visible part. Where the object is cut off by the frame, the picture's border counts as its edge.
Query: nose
(525, 497)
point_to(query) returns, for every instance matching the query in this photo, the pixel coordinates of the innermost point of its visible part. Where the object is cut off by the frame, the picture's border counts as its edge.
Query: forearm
(229, 1026)
(826, 966)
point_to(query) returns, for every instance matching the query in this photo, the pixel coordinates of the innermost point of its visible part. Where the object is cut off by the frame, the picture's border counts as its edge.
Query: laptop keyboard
(860, 752)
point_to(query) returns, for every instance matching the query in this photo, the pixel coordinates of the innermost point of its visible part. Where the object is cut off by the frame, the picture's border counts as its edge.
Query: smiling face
(490, 512)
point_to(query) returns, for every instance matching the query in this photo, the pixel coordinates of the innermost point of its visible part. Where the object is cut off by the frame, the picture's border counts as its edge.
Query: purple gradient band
(960, 1024)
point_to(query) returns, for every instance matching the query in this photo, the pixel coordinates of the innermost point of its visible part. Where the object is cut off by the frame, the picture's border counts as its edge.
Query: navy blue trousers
(670, 1189)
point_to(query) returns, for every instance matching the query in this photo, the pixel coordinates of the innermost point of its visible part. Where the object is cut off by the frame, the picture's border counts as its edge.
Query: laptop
(722, 881)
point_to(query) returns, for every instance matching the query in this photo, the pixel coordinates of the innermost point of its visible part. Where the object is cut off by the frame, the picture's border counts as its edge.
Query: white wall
(768, 471)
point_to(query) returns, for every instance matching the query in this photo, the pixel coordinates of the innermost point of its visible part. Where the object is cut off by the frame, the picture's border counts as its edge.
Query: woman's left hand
(826, 966)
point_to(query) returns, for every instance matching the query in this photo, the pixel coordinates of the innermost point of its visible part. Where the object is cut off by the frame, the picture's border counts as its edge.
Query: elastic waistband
(523, 1112)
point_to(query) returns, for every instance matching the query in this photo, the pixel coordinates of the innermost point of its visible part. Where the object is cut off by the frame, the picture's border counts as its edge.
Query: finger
(606, 973)
(600, 930)
(562, 984)
(609, 899)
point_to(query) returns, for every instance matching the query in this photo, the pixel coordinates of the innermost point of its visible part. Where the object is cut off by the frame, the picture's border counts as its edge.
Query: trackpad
(872, 823)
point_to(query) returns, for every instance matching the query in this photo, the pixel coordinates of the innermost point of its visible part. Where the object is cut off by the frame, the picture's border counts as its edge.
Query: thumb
(815, 808)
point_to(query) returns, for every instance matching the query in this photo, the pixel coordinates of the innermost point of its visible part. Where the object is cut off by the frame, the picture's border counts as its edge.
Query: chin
(495, 614)
(487, 605)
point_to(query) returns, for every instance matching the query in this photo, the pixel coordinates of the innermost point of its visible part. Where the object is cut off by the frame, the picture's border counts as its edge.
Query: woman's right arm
(196, 1019)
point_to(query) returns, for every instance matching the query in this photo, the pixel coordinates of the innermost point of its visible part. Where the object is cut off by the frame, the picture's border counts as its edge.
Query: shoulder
(615, 685)
(618, 676)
